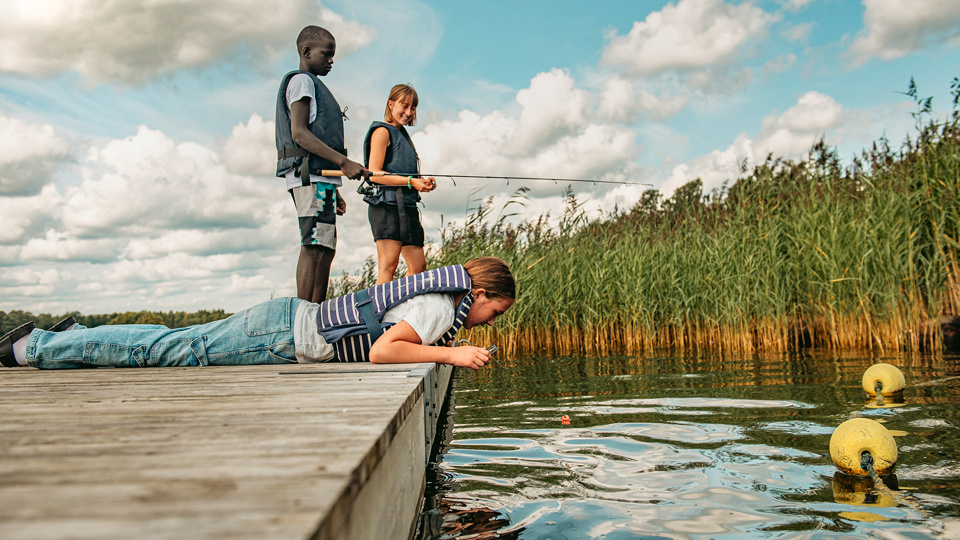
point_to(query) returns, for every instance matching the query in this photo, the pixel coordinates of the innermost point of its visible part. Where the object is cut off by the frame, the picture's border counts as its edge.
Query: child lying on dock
(394, 322)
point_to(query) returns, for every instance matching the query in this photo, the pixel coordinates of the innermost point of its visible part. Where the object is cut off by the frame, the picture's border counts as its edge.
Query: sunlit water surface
(669, 447)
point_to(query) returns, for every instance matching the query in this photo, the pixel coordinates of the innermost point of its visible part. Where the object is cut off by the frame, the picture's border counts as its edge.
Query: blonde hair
(492, 275)
(401, 92)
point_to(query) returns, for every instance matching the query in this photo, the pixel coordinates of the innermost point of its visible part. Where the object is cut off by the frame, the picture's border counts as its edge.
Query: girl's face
(485, 310)
(402, 110)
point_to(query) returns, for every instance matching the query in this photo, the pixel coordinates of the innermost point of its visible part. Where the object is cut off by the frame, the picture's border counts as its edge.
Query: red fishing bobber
(565, 420)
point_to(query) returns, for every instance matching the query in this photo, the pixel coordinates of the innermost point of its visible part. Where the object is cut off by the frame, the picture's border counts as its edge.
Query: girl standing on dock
(394, 322)
(393, 214)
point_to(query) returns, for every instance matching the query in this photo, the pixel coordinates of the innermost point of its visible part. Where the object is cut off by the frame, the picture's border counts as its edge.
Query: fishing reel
(368, 189)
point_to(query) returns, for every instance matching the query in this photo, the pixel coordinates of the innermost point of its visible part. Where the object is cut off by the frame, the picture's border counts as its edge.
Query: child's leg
(316, 213)
(313, 272)
(262, 334)
(415, 259)
(388, 257)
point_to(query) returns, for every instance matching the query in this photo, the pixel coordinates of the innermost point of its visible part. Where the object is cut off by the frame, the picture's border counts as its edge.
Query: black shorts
(385, 224)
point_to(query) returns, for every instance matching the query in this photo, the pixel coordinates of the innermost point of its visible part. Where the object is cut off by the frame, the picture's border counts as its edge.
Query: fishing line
(327, 172)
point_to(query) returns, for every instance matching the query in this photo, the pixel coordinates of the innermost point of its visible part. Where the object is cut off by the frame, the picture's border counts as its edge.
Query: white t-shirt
(300, 86)
(430, 315)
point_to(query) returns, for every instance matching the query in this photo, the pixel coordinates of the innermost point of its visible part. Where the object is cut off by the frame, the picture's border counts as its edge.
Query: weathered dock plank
(329, 451)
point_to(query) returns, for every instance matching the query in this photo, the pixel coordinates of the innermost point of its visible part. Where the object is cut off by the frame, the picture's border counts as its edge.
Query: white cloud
(133, 42)
(688, 35)
(799, 32)
(58, 246)
(17, 282)
(780, 63)
(621, 101)
(30, 155)
(797, 5)
(552, 108)
(251, 148)
(895, 28)
(792, 134)
(149, 184)
(789, 135)
(713, 169)
(555, 129)
(27, 216)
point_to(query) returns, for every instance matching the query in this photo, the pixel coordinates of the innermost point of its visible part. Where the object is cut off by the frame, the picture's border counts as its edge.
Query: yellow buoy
(854, 437)
(888, 376)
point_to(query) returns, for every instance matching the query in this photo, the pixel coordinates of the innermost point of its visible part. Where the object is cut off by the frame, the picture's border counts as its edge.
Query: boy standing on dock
(309, 136)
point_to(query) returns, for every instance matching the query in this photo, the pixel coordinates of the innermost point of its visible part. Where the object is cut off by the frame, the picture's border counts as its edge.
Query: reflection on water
(663, 447)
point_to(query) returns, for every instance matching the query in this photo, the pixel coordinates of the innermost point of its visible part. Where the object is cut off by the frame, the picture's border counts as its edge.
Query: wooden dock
(327, 451)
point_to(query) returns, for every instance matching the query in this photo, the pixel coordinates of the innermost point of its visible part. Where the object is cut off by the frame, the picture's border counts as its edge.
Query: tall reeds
(791, 254)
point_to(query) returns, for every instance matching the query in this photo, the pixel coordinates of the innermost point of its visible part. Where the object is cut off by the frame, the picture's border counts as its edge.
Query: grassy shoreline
(792, 254)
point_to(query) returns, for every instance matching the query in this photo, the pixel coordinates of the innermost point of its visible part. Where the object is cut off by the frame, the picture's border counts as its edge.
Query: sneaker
(63, 325)
(7, 341)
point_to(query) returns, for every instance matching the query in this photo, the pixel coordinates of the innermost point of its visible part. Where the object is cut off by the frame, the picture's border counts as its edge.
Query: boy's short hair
(313, 34)
(398, 93)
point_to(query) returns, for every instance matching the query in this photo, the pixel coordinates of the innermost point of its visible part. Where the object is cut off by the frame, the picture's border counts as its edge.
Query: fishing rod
(335, 172)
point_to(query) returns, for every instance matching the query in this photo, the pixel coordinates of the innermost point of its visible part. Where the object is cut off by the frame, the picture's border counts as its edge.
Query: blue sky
(136, 142)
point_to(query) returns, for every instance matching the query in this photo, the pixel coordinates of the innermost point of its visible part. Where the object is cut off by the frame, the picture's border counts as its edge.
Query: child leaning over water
(389, 323)
(393, 214)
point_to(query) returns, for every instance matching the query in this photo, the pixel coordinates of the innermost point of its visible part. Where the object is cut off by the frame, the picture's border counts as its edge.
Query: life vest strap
(369, 314)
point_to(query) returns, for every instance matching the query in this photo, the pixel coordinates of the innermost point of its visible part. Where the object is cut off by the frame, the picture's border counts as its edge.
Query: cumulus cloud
(780, 63)
(25, 217)
(251, 149)
(59, 246)
(895, 28)
(148, 183)
(30, 155)
(688, 35)
(552, 108)
(788, 135)
(792, 133)
(799, 32)
(133, 42)
(622, 101)
(557, 133)
(797, 5)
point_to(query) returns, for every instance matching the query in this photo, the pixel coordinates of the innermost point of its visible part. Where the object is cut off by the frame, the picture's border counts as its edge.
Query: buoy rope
(866, 462)
(879, 389)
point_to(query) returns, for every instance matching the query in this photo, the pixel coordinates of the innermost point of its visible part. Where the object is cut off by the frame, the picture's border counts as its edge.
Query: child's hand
(341, 205)
(352, 170)
(467, 356)
(424, 184)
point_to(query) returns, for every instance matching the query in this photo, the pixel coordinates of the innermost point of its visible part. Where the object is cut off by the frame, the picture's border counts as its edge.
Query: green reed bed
(791, 254)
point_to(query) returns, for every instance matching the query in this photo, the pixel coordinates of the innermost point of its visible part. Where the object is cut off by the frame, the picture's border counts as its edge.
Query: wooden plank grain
(213, 452)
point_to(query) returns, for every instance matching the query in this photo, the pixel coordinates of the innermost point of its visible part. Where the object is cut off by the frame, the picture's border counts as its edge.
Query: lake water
(694, 447)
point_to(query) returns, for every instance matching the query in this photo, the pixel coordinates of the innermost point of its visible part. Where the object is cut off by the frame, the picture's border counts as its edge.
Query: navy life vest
(351, 323)
(327, 126)
(401, 159)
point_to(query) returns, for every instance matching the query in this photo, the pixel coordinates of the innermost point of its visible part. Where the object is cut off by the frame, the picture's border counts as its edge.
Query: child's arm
(378, 152)
(401, 345)
(301, 134)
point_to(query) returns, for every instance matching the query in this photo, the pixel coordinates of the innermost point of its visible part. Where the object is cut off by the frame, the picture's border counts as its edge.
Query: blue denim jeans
(262, 334)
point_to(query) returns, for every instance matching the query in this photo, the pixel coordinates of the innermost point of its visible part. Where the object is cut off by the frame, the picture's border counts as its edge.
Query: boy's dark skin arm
(299, 130)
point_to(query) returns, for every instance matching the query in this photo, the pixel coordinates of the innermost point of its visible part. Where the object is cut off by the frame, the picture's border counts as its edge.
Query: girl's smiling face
(402, 110)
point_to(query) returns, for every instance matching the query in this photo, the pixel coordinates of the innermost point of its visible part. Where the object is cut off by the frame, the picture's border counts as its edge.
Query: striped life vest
(351, 323)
